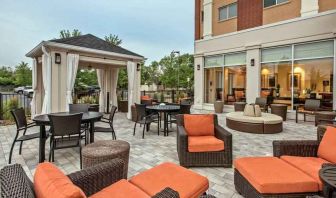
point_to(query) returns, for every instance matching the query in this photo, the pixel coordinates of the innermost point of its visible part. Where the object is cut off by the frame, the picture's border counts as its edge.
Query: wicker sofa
(282, 150)
(221, 158)
(15, 183)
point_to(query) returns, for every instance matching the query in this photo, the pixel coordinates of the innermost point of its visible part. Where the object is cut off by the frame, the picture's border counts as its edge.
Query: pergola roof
(87, 43)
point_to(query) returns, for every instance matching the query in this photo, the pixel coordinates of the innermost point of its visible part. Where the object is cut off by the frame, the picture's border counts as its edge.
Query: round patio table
(43, 121)
(328, 178)
(165, 109)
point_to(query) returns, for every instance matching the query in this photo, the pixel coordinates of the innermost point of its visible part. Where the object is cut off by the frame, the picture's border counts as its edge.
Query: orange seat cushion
(145, 98)
(204, 144)
(186, 182)
(274, 176)
(50, 182)
(121, 189)
(199, 125)
(327, 146)
(309, 165)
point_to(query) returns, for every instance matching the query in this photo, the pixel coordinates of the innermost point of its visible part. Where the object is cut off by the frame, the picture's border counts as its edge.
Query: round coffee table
(105, 150)
(328, 175)
(325, 117)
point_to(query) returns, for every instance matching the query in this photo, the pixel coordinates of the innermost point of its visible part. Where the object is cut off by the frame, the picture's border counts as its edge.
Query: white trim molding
(309, 7)
(207, 22)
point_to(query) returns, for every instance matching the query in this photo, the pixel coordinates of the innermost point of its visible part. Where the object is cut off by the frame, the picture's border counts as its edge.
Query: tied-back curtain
(72, 67)
(114, 83)
(101, 80)
(34, 87)
(132, 78)
(46, 76)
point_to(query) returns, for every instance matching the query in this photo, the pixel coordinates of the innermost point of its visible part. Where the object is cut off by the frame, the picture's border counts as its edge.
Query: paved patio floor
(154, 149)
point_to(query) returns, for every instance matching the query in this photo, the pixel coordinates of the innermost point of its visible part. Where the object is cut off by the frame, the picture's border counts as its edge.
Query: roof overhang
(37, 51)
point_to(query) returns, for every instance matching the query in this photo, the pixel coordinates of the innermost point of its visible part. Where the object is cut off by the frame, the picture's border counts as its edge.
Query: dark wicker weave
(325, 117)
(15, 183)
(239, 106)
(218, 158)
(310, 107)
(262, 102)
(258, 128)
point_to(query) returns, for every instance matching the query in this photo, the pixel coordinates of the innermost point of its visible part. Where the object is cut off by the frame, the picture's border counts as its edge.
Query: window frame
(276, 3)
(227, 12)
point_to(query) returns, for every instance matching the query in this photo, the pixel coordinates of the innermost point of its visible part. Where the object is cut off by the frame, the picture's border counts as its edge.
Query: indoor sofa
(293, 171)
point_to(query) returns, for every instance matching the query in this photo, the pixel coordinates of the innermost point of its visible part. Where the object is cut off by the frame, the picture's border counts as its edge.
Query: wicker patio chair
(65, 133)
(262, 102)
(21, 125)
(205, 159)
(310, 107)
(144, 119)
(81, 108)
(110, 122)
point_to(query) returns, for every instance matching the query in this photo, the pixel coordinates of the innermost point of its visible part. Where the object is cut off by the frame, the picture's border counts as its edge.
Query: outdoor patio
(154, 149)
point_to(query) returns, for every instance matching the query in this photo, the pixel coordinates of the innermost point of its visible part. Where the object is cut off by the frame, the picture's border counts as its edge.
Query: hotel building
(280, 49)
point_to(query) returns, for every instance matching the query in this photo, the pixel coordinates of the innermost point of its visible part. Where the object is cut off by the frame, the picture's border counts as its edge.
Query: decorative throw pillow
(327, 147)
(199, 125)
(50, 182)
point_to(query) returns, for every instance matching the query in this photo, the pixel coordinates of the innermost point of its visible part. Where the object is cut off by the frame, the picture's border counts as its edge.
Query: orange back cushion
(199, 125)
(327, 148)
(50, 182)
(145, 98)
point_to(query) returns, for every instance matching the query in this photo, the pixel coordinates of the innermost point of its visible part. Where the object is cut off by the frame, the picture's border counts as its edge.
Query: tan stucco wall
(282, 12)
(222, 27)
(325, 5)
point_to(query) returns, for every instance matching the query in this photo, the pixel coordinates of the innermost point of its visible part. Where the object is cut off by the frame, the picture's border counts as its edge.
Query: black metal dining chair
(65, 133)
(21, 125)
(144, 119)
(108, 121)
(81, 108)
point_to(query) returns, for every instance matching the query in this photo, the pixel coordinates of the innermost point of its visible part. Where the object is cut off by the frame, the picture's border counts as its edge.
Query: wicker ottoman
(324, 117)
(239, 106)
(102, 151)
(280, 110)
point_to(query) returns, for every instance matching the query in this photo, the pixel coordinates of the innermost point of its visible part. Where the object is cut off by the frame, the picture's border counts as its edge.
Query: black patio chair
(81, 108)
(108, 121)
(145, 119)
(21, 125)
(65, 133)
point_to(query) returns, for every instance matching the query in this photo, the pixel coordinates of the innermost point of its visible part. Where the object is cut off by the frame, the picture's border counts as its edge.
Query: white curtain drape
(72, 67)
(101, 83)
(132, 79)
(34, 87)
(46, 76)
(114, 83)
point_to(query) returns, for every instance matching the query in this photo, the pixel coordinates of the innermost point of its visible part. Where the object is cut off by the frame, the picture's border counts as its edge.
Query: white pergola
(56, 62)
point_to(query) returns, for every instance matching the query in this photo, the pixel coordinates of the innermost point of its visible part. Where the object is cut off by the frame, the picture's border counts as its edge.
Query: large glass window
(275, 83)
(213, 84)
(313, 79)
(227, 12)
(234, 84)
(308, 74)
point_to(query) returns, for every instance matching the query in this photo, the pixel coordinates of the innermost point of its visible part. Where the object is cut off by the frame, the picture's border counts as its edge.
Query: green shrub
(12, 103)
(162, 97)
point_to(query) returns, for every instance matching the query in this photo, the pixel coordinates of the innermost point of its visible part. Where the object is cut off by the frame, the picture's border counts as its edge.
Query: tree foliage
(113, 39)
(68, 34)
(6, 76)
(23, 74)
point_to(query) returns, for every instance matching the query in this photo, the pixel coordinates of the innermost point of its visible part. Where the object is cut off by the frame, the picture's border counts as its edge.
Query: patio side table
(239, 106)
(328, 178)
(324, 117)
(106, 150)
(280, 110)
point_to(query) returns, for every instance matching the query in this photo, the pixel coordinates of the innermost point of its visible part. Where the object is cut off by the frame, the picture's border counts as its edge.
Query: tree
(122, 79)
(113, 39)
(23, 74)
(6, 76)
(68, 34)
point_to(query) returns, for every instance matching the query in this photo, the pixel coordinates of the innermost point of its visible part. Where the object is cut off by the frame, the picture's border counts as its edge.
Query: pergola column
(133, 86)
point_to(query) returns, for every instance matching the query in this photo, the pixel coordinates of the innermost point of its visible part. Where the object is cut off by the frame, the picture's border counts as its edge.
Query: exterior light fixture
(252, 62)
(57, 58)
(198, 67)
(138, 66)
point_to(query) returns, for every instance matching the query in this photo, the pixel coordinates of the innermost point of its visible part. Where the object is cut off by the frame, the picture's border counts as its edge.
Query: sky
(152, 28)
